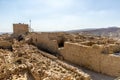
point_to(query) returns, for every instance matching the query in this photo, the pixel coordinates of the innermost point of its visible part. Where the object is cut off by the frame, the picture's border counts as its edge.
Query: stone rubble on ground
(26, 62)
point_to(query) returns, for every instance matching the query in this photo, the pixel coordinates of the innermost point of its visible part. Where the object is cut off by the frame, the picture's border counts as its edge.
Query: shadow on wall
(42, 41)
(61, 43)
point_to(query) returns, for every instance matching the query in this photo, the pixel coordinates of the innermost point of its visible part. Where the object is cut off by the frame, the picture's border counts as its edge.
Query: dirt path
(94, 75)
(97, 76)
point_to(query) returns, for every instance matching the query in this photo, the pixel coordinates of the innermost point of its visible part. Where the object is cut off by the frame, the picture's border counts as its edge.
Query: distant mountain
(5, 33)
(1, 33)
(80, 30)
(107, 32)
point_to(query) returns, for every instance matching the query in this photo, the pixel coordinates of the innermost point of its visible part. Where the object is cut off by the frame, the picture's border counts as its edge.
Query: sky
(59, 15)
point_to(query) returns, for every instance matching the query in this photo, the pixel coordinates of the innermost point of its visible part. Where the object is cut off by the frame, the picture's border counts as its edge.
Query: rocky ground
(26, 62)
(19, 60)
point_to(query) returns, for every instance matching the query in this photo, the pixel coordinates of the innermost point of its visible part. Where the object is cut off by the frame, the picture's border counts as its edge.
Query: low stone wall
(42, 41)
(5, 44)
(91, 57)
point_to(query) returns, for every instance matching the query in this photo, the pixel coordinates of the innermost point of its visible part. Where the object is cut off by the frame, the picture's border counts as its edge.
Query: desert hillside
(112, 32)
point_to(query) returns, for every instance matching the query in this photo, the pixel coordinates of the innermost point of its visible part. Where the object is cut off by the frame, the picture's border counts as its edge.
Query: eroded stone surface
(26, 62)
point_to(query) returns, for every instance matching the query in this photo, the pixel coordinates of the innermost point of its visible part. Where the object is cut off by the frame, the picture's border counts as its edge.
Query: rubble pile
(85, 39)
(109, 45)
(26, 62)
(79, 38)
(20, 59)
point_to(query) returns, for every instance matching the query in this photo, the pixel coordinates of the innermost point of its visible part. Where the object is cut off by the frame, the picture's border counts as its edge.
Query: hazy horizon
(59, 15)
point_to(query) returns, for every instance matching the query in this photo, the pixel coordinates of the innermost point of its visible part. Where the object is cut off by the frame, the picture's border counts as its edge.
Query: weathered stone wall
(42, 41)
(92, 58)
(96, 57)
(20, 28)
(5, 44)
(110, 65)
(26, 62)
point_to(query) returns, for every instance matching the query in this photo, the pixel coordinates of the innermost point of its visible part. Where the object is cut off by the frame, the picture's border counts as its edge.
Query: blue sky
(52, 15)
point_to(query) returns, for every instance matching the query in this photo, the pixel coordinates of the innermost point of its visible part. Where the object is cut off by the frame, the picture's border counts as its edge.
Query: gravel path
(94, 75)
(97, 76)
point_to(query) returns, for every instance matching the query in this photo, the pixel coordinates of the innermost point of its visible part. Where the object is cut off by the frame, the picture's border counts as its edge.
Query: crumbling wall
(92, 58)
(20, 28)
(5, 44)
(97, 57)
(42, 41)
(26, 62)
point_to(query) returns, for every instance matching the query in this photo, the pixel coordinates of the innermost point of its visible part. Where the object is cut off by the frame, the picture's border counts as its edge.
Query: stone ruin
(93, 52)
(27, 62)
(28, 56)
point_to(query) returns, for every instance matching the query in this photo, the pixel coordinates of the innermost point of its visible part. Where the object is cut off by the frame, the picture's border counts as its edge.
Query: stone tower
(20, 28)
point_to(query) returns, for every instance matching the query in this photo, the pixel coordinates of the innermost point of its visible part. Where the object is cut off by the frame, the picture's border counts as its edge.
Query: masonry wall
(110, 65)
(20, 28)
(92, 58)
(5, 44)
(42, 41)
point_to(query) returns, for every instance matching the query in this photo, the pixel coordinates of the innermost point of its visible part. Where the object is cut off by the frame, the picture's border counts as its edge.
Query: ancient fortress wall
(92, 58)
(42, 41)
